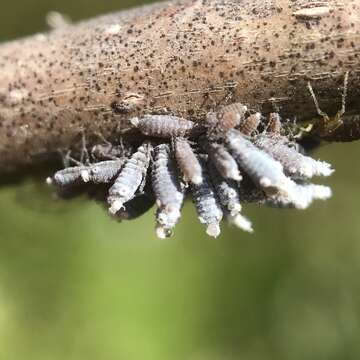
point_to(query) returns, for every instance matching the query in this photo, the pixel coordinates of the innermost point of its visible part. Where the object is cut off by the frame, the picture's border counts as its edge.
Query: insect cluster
(236, 156)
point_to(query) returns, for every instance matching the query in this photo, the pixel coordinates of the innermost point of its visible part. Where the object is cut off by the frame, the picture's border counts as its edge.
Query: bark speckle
(182, 58)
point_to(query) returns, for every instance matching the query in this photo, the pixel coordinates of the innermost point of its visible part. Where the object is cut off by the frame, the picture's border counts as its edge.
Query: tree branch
(185, 58)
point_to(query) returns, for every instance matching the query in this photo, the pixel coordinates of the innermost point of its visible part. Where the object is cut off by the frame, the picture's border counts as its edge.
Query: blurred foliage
(76, 285)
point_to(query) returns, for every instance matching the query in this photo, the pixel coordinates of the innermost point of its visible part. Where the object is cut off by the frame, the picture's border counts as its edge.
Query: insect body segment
(68, 177)
(250, 124)
(294, 163)
(164, 126)
(129, 179)
(168, 190)
(268, 173)
(240, 157)
(207, 205)
(228, 117)
(223, 161)
(228, 195)
(102, 172)
(188, 162)
(227, 191)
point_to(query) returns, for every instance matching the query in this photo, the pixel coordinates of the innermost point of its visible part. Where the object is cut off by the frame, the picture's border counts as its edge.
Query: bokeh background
(76, 285)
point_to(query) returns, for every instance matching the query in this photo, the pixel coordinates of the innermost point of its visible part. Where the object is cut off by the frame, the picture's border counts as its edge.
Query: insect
(168, 189)
(188, 161)
(200, 104)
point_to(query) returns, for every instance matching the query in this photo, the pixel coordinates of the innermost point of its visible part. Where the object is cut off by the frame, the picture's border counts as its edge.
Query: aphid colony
(234, 157)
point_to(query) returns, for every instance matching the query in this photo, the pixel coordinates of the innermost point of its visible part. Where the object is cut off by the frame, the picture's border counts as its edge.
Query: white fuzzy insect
(164, 126)
(207, 205)
(130, 178)
(226, 190)
(294, 163)
(168, 190)
(102, 172)
(266, 172)
(307, 192)
(188, 162)
(240, 222)
(68, 176)
(223, 161)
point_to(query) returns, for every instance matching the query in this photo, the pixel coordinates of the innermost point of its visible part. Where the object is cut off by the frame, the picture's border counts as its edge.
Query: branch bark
(183, 58)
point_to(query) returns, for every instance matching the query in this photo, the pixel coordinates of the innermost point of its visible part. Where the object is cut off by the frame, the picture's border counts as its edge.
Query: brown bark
(183, 58)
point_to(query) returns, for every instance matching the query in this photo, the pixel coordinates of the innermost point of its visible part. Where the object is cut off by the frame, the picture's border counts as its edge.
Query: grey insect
(188, 162)
(69, 176)
(226, 190)
(294, 163)
(130, 178)
(207, 205)
(223, 161)
(228, 194)
(102, 172)
(164, 126)
(168, 190)
(266, 172)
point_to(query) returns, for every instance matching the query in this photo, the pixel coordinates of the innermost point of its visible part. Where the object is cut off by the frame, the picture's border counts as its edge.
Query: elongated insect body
(164, 126)
(250, 124)
(294, 163)
(68, 176)
(129, 179)
(226, 190)
(207, 205)
(265, 171)
(223, 161)
(228, 117)
(188, 162)
(102, 172)
(169, 192)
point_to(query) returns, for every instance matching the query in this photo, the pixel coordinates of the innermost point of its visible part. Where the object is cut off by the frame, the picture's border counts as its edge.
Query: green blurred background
(76, 285)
